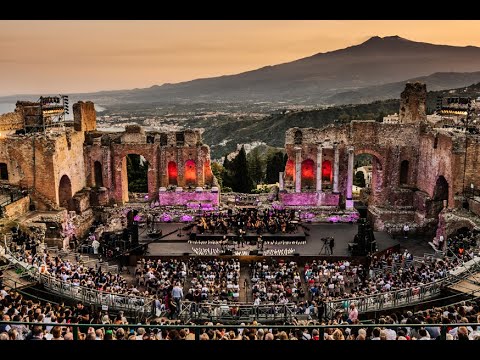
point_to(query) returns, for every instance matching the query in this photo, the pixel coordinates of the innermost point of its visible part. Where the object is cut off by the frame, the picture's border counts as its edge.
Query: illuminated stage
(343, 234)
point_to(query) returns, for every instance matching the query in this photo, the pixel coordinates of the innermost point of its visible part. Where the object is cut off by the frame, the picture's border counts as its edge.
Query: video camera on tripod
(327, 242)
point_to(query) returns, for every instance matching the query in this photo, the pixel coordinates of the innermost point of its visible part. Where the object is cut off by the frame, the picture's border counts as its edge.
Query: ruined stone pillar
(199, 168)
(349, 200)
(335, 167)
(298, 169)
(319, 167)
(280, 181)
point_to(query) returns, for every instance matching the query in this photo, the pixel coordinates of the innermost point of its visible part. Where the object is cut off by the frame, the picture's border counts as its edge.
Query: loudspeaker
(186, 254)
(254, 252)
(228, 252)
(296, 254)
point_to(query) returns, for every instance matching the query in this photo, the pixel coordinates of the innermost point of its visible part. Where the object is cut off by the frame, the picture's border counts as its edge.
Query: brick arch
(147, 155)
(308, 173)
(120, 168)
(65, 193)
(373, 153)
(290, 170)
(98, 173)
(377, 184)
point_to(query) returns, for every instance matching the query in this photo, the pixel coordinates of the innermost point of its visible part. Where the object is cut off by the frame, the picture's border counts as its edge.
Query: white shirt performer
(95, 245)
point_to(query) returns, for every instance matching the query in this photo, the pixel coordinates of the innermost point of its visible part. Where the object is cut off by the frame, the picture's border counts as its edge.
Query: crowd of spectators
(214, 279)
(276, 281)
(394, 326)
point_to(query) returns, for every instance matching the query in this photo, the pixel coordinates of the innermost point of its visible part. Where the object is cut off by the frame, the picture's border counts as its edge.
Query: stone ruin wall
(390, 144)
(157, 148)
(84, 116)
(38, 161)
(430, 152)
(11, 121)
(413, 103)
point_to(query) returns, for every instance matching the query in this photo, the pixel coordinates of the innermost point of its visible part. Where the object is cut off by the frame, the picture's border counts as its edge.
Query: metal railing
(197, 330)
(236, 312)
(143, 306)
(140, 306)
(12, 194)
(402, 297)
(127, 303)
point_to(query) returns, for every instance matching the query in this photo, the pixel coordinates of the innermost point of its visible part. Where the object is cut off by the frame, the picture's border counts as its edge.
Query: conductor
(331, 245)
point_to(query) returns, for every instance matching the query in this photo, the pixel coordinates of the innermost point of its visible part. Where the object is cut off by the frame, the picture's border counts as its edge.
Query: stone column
(199, 168)
(349, 200)
(280, 181)
(319, 167)
(335, 168)
(298, 169)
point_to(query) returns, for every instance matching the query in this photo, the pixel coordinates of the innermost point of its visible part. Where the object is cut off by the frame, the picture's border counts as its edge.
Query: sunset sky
(82, 56)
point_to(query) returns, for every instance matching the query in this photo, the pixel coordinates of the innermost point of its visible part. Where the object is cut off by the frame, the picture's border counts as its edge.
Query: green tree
(359, 179)
(227, 174)
(137, 174)
(242, 181)
(256, 166)
(275, 164)
(218, 171)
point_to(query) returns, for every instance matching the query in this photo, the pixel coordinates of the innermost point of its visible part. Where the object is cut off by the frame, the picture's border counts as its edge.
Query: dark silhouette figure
(332, 245)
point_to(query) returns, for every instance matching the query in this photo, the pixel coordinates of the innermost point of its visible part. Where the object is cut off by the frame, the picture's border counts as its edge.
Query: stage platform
(175, 245)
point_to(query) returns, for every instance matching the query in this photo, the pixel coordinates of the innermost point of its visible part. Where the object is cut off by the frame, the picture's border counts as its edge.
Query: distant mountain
(313, 79)
(435, 82)
(316, 79)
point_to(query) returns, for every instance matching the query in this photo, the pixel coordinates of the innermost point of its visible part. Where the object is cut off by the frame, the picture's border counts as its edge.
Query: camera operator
(331, 244)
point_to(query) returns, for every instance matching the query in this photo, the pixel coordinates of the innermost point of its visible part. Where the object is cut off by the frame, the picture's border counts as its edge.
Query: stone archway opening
(289, 174)
(439, 198)
(136, 170)
(98, 172)
(440, 193)
(327, 174)
(308, 174)
(172, 173)
(367, 177)
(3, 171)
(65, 192)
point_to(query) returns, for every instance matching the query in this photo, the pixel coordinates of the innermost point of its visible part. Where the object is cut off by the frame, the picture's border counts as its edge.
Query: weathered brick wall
(38, 161)
(472, 169)
(84, 116)
(11, 121)
(68, 160)
(111, 150)
(413, 103)
(17, 208)
(169, 198)
(436, 158)
(389, 145)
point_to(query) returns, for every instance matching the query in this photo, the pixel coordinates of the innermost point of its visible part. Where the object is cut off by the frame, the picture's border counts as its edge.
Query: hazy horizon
(40, 57)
